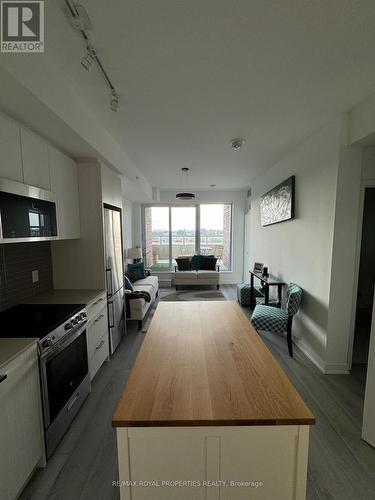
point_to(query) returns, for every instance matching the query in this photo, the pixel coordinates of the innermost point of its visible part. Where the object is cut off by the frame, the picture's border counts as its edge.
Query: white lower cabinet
(21, 431)
(97, 334)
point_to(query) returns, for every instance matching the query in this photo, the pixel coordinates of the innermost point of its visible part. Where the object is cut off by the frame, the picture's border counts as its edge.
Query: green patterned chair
(275, 320)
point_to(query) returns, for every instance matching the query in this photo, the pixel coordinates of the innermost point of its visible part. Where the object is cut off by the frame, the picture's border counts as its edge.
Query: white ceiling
(194, 74)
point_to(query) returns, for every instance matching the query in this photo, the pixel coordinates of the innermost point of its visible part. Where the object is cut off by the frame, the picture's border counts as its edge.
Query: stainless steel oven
(65, 380)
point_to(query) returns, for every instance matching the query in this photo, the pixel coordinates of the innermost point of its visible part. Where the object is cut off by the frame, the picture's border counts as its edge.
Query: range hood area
(27, 213)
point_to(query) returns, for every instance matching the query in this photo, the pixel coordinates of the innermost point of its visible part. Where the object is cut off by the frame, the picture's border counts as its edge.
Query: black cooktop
(35, 320)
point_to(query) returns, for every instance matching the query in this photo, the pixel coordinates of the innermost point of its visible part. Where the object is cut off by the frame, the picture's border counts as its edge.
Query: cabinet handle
(99, 318)
(99, 300)
(3, 377)
(100, 345)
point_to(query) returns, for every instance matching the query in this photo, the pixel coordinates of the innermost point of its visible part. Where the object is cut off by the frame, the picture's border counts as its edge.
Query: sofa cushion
(183, 263)
(145, 282)
(214, 275)
(208, 263)
(185, 275)
(138, 268)
(196, 262)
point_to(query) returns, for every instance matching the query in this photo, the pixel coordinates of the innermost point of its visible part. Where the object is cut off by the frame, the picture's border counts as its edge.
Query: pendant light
(185, 196)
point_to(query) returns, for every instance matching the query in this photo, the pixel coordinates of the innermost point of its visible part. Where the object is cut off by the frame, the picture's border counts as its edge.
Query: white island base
(213, 463)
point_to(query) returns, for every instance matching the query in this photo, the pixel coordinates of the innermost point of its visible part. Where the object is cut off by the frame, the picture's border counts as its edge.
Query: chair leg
(289, 336)
(217, 287)
(140, 323)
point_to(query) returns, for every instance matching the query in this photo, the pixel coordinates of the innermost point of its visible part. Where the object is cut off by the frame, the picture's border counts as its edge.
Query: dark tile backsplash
(17, 261)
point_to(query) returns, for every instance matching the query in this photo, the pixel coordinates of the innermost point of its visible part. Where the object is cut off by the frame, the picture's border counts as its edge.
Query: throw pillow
(208, 263)
(128, 285)
(138, 268)
(133, 277)
(183, 264)
(196, 262)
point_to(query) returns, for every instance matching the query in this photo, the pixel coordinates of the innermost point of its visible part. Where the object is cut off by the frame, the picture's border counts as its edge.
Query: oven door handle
(60, 346)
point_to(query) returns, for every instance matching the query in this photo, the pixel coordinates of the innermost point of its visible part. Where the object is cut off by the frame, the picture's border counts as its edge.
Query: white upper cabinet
(64, 183)
(10, 150)
(35, 160)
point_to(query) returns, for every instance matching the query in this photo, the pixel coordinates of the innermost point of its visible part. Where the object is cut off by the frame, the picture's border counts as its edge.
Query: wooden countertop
(10, 348)
(202, 363)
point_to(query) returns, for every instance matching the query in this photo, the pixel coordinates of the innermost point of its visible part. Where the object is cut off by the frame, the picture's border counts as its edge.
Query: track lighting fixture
(114, 100)
(88, 60)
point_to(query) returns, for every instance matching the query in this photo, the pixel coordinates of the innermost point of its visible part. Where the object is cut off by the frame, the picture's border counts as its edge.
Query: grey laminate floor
(341, 465)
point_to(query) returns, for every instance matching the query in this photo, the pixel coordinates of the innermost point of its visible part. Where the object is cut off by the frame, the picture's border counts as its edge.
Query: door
(113, 249)
(116, 319)
(368, 429)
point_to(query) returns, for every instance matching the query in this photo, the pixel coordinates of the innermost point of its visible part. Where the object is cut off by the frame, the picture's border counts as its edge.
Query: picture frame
(278, 204)
(258, 267)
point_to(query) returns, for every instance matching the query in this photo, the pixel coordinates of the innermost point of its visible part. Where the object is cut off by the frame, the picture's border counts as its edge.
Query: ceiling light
(237, 143)
(185, 196)
(212, 185)
(114, 100)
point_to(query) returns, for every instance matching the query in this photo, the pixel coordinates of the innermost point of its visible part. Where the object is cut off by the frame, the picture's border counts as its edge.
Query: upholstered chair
(275, 320)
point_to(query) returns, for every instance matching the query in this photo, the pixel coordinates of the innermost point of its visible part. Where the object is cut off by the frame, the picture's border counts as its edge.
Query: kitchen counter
(207, 404)
(83, 297)
(10, 348)
(202, 363)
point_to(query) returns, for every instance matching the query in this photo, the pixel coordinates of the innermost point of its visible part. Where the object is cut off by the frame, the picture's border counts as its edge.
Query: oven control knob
(68, 326)
(47, 342)
(84, 315)
(74, 321)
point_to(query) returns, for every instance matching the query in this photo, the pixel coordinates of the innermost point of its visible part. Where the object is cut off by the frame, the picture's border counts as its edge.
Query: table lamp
(135, 254)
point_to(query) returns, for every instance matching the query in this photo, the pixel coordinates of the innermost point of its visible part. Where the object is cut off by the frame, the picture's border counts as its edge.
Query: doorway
(365, 293)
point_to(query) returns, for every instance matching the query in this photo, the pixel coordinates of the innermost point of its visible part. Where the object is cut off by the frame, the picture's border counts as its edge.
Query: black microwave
(26, 213)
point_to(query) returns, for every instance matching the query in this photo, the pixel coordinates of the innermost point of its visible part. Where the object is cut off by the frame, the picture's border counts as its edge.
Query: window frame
(197, 229)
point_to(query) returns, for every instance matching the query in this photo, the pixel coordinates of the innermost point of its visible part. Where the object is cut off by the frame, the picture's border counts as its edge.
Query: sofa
(197, 270)
(139, 307)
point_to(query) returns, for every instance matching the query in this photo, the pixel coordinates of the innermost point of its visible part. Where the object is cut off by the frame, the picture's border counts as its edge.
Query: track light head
(114, 101)
(88, 60)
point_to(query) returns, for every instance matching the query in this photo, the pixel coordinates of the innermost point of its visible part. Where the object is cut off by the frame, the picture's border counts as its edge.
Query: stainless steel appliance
(27, 213)
(65, 381)
(114, 274)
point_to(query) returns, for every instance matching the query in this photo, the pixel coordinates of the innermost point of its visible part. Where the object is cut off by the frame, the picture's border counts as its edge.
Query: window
(171, 231)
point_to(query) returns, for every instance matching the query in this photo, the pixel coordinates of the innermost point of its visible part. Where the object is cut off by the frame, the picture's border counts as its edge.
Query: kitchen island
(208, 413)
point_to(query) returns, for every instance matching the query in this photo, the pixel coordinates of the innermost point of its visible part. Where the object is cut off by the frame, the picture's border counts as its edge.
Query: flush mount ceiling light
(237, 143)
(185, 196)
(81, 22)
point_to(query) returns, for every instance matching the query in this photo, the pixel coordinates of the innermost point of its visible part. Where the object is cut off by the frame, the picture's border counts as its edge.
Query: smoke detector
(237, 143)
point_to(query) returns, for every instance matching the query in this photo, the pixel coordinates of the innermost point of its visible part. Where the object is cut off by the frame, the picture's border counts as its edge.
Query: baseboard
(309, 353)
(337, 369)
(326, 368)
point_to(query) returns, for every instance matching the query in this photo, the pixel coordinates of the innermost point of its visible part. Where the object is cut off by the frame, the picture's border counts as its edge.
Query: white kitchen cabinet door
(10, 150)
(64, 183)
(21, 433)
(35, 160)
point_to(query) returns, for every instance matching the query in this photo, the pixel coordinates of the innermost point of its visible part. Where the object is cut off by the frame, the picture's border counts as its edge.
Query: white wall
(300, 250)
(127, 224)
(238, 200)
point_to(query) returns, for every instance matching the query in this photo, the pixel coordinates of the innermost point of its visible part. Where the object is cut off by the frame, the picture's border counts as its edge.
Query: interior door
(113, 249)
(368, 428)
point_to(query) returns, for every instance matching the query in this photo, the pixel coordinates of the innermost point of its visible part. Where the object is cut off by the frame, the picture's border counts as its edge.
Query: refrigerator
(114, 275)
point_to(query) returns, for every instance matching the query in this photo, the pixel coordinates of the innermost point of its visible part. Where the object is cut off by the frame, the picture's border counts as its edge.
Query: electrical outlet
(35, 276)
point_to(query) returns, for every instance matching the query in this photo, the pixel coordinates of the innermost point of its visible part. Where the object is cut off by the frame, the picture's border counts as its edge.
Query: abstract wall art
(277, 205)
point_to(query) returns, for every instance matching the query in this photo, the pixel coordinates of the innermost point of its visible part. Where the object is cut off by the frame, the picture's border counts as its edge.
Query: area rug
(172, 295)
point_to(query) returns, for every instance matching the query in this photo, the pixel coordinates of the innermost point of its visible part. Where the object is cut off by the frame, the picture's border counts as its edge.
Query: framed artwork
(277, 205)
(258, 267)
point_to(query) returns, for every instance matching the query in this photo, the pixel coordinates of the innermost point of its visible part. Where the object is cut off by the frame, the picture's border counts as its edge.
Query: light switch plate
(35, 276)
